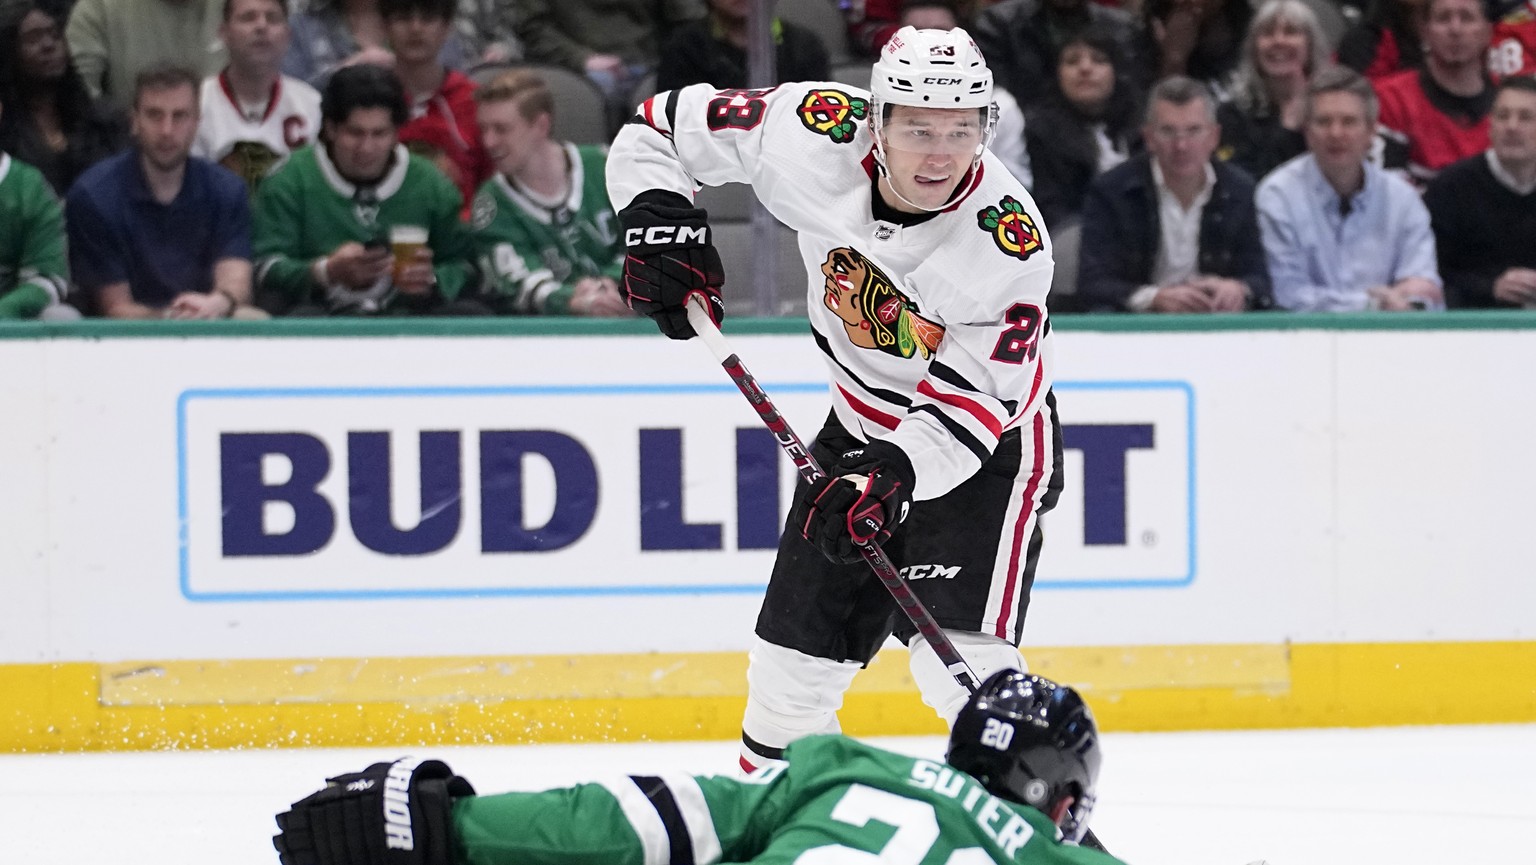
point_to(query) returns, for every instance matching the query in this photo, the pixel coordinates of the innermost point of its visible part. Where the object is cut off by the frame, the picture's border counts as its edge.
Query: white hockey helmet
(932, 69)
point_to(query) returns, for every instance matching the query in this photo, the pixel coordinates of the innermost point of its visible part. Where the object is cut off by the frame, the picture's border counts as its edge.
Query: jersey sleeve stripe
(970, 406)
(695, 813)
(952, 377)
(956, 431)
(868, 412)
(643, 818)
(671, 111)
(883, 394)
(679, 843)
(1034, 390)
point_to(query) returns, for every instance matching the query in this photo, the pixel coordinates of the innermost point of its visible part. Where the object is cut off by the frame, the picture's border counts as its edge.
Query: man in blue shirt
(1339, 233)
(155, 233)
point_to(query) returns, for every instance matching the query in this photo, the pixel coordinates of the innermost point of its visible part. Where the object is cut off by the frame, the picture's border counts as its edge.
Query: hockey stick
(806, 464)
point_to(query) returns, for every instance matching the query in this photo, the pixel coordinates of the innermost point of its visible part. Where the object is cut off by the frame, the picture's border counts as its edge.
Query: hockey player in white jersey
(927, 266)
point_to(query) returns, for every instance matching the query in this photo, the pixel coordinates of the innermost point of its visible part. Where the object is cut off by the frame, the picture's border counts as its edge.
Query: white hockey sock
(985, 653)
(789, 695)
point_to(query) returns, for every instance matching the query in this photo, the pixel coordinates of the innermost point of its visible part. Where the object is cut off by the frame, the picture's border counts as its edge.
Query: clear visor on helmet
(953, 132)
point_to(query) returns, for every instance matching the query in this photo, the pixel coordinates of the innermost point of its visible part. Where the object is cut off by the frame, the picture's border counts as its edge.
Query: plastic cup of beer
(404, 241)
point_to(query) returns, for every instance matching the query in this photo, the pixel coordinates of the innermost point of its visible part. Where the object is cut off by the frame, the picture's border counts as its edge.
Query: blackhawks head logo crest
(874, 313)
(1014, 230)
(832, 113)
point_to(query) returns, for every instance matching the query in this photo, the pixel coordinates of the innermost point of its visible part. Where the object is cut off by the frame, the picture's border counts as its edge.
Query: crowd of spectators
(248, 158)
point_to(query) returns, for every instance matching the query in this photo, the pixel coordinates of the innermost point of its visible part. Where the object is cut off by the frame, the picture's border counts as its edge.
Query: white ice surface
(1397, 796)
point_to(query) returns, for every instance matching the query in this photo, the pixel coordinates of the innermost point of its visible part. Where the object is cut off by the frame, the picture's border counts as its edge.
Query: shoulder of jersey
(302, 89)
(1001, 212)
(828, 109)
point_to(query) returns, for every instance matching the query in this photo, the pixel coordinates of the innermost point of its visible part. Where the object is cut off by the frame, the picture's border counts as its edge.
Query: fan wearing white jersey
(253, 115)
(927, 266)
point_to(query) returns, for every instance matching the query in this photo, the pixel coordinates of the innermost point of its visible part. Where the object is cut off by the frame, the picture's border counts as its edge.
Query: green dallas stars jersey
(838, 801)
(531, 252)
(34, 270)
(305, 209)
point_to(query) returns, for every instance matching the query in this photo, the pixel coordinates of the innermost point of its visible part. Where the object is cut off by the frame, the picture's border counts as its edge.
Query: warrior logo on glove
(388, 814)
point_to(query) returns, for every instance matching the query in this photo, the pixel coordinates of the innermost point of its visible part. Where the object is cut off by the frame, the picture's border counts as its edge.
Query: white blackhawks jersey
(935, 334)
(250, 143)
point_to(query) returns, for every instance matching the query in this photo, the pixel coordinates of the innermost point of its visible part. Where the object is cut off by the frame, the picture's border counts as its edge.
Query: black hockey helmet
(1031, 741)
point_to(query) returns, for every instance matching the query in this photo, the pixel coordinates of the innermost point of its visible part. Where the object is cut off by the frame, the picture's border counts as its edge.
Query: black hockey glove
(388, 814)
(842, 511)
(669, 256)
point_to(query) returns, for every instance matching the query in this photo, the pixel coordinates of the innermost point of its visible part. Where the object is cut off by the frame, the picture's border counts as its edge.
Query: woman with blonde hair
(1261, 113)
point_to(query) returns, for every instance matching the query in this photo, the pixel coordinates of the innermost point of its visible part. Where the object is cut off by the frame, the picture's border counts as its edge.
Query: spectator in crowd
(1434, 116)
(330, 34)
(252, 114)
(1169, 230)
(871, 23)
(112, 41)
(1086, 125)
(613, 44)
(1339, 232)
(51, 122)
(713, 50)
(1202, 39)
(442, 122)
(1261, 114)
(155, 232)
(547, 237)
(1387, 40)
(34, 270)
(1514, 42)
(356, 225)
(1483, 209)
(1022, 41)
(487, 30)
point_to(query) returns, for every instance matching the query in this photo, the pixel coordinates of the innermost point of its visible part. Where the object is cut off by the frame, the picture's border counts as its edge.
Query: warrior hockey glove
(862, 498)
(388, 814)
(670, 257)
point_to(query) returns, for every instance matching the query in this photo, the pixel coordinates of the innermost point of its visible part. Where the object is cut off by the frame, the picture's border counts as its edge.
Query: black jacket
(1482, 228)
(101, 132)
(1121, 233)
(694, 55)
(1256, 143)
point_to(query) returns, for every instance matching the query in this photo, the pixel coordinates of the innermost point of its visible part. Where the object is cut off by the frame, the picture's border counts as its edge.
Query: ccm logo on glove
(667, 235)
(862, 498)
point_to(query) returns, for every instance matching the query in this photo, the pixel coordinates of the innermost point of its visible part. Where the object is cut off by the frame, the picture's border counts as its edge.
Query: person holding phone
(356, 225)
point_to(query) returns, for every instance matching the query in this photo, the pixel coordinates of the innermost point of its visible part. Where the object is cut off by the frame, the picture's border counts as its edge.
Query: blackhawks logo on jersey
(874, 313)
(1014, 230)
(832, 113)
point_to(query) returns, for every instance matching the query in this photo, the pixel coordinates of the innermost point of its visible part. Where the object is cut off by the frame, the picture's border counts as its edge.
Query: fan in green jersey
(546, 235)
(356, 225)
(33, 268)
(34, 271)
(1017, 789)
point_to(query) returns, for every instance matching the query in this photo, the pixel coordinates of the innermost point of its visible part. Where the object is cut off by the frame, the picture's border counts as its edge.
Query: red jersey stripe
(869, 412)
(975, 408)
(1020, 538)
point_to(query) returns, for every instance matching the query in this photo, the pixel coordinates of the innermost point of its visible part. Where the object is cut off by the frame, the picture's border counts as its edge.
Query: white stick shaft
(704, 326)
